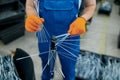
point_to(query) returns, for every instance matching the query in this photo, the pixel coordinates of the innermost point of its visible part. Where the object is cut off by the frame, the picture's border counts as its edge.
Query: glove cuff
(82, 19)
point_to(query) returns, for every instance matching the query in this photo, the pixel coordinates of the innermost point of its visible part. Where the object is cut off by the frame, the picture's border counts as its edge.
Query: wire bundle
(88, 66)
(7, 69)
(112, 70)
(92, 66)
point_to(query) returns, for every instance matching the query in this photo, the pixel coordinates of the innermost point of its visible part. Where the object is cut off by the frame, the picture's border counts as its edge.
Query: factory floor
(101, 37)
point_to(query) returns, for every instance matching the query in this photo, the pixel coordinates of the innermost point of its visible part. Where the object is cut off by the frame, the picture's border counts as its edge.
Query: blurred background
(102, 36)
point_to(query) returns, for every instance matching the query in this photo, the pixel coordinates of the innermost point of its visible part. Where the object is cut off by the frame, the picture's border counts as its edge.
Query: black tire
(78, 78)
(25, 67)
(109, 13)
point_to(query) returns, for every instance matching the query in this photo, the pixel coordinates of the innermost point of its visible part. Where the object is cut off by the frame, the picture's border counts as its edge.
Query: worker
(59, 17)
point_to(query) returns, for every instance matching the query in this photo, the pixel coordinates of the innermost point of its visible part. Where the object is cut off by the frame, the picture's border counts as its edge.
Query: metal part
(53, 42)
(64, 36)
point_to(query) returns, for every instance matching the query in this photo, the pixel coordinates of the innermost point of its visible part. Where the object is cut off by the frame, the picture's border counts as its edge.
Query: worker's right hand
(33, 23)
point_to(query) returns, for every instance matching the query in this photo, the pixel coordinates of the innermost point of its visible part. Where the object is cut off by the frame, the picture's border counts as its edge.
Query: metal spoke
(32, 55)
(59, 42)
(68, 51)
(66, 56)
(46, 31)
(62, 35)
(70, 48)
(70, 44)
(71, 40)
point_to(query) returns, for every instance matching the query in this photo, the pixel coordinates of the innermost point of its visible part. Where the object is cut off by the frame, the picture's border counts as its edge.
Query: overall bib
(58, 15)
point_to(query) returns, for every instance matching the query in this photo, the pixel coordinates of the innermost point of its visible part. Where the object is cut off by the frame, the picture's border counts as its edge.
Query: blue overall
(58, 15)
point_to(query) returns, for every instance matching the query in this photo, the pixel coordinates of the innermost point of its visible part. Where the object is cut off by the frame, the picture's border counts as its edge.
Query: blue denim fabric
(58, 15)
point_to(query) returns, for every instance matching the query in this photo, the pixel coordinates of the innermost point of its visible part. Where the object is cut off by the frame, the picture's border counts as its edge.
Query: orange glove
(78, 26)
(33, 22)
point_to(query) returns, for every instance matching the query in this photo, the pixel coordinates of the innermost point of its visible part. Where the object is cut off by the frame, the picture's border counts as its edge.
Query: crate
(13, 32)
(12, 16)
(11, 11)
(105, 8)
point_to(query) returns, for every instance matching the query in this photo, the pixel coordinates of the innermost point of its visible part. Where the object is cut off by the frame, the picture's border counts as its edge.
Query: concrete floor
(101, 37)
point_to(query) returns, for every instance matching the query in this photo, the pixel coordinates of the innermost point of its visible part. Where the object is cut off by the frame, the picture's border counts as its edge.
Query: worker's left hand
(77, 27)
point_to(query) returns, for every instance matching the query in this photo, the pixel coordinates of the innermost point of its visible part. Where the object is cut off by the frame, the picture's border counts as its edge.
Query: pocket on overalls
(61, 12)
